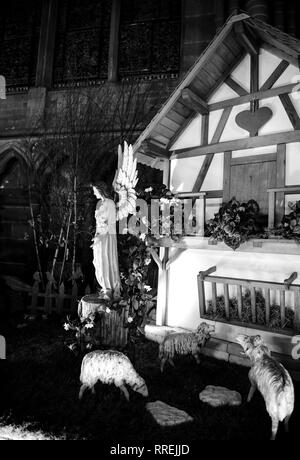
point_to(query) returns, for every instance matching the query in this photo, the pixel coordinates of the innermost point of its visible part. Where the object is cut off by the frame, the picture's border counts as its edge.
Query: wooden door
(248, 178)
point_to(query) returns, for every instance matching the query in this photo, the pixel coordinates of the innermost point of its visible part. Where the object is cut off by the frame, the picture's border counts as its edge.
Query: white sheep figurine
(184, 343)
(271, 379)
(110, 367)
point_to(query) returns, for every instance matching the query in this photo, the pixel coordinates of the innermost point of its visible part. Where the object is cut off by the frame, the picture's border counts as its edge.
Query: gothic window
(149, 37)
(82, 40)
(19, 38)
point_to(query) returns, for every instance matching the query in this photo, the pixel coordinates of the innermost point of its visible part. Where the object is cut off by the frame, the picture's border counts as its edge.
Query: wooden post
(282, 308)
(214, 296)
(280, 182)
(227, 302)
(200, 211)
(271, 212)
(297, 311)
(254, 83)
(227, 178)
(201, 289)
(166, 173)
(44, 69)
(267, 304)
(114, 41)
(240, 301)
(201, 293)
(253, 305)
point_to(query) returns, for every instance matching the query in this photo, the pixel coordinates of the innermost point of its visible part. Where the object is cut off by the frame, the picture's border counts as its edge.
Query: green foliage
(290, 225)
(235, 223)
(164, 224)
(137, 295)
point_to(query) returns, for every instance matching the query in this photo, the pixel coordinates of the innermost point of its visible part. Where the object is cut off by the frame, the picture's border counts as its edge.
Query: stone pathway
(220, 396)
(166, 415)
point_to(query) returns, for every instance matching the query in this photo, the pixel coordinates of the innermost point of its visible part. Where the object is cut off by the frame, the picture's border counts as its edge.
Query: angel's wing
(125, 182)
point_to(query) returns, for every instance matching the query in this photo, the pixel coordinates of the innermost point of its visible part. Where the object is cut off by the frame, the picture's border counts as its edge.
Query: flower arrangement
(163, 225)
(289, 228)
(137, 295)
(234, 223)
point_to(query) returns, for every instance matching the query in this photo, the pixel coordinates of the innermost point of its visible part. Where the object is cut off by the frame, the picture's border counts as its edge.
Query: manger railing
(277, 202)
(265, 287)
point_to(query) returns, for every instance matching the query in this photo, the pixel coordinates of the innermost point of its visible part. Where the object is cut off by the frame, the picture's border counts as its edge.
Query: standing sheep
(271, 379)
(184, 343)
(110, 367)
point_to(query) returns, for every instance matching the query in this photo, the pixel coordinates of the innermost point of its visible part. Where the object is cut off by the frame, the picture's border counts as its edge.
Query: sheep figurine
(110, 367)
(271, 379)
(184, 343)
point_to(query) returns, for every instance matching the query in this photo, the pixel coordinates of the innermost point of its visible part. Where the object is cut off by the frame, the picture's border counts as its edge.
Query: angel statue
(107, 213)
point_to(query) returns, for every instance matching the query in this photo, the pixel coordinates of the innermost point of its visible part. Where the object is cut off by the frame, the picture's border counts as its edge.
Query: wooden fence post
(271, 213)
(297, 311)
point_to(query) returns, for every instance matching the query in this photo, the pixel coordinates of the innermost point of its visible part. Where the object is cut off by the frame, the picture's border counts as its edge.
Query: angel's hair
(103, 188)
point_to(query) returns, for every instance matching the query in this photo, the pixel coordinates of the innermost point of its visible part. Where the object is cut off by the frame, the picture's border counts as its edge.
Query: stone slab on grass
(220, 396)
(166, 415)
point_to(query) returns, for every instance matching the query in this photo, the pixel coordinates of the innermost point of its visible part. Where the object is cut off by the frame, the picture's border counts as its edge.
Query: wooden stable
(231, 128)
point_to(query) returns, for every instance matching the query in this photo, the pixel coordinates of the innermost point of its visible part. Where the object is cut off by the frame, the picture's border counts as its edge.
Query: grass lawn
(40, 382)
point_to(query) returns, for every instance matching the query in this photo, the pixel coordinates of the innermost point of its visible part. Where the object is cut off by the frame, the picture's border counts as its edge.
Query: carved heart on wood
(253, 121)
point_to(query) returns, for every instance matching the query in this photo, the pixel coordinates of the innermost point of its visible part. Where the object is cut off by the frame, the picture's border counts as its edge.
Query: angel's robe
(105, 248)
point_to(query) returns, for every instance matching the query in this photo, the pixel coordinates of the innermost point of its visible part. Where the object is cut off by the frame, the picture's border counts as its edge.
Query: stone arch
(13, 162)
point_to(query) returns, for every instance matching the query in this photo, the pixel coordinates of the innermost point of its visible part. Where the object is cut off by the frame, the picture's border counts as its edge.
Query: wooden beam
(239, 144)
(211, 194)
(280, 182)
(204, 129)
(287, 56)
(254, 80)
(203, 171)
(246, 40)
(290, 110)
(264, 158)
(221, 125)
(193, 101)
(275, 75)
(227, 176)
(113, 52)
(209, 158)
(153, 149)
(166, 173)
(273, 92)
(236, 87)
(289, 189)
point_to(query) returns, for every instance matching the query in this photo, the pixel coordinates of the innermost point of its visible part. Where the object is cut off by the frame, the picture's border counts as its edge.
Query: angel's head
(101, 190)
